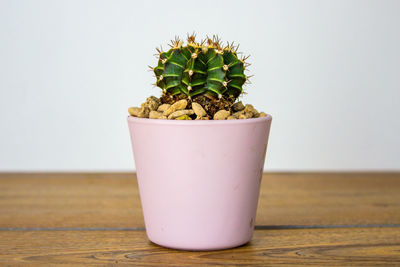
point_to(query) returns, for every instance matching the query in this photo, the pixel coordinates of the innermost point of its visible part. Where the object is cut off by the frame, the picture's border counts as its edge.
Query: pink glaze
(199, 181)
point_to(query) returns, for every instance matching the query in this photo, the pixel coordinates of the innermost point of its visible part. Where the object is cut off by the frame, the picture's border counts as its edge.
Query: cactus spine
(204, 68)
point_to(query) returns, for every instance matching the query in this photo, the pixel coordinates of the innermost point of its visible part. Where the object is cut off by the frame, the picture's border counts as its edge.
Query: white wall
(328, 72)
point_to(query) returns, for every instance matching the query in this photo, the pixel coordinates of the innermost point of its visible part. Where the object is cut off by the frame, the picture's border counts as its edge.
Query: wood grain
(112, 200)
(329, 199)
(317, 247)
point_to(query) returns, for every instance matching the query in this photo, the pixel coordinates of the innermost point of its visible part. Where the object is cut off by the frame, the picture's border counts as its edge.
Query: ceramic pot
(199, 181)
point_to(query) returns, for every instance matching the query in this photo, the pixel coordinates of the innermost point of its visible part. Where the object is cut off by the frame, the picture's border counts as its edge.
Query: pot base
(199, 248)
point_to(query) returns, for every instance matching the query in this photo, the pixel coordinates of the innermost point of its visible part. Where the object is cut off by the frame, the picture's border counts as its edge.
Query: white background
(327, 71)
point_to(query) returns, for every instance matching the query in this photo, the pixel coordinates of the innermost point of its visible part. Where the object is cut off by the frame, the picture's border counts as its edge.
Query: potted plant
(199, 153)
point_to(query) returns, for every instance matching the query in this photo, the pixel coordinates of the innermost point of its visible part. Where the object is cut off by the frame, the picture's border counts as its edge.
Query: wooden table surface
(323, 219)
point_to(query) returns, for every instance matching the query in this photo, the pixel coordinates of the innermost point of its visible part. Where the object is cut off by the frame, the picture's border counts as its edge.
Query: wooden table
(303, 219)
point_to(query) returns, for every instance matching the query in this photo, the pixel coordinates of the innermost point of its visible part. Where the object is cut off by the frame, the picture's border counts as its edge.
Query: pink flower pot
(199, 181)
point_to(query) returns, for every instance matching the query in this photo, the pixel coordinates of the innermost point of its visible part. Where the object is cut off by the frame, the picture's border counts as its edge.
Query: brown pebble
(134, 111)
(238, 106)
(221, 114)
(237, 114)
(179, 113)
(144, 112)
(155, 99)
(155, 114)
(262, 114)
(198, 109)
(153, 102)
(250, 111)
(163, 107)
(179, 105)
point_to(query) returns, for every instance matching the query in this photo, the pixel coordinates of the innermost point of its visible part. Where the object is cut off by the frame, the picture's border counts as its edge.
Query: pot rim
(198, 122)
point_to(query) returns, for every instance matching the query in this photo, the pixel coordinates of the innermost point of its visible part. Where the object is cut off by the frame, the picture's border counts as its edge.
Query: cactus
(201, 69)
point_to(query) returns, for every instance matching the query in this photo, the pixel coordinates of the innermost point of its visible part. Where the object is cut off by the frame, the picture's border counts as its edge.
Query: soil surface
(210, 104)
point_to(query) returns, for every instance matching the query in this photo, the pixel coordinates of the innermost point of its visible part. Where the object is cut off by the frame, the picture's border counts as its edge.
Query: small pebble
(179, 105)
(237, 114)
(238, 106)
(153, 102)
(221, 114)
(155, 114)
(250, 111)
(262, 114)
(163, 107)
(134, 111)
(183, 117)
(198, 109)
(144, 112)
(179, 113)
(202, 118)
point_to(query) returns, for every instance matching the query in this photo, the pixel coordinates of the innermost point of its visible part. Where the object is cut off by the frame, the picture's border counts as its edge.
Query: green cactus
(204, 68)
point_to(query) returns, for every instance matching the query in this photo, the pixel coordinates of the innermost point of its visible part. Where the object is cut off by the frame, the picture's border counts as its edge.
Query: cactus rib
(204, 68)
